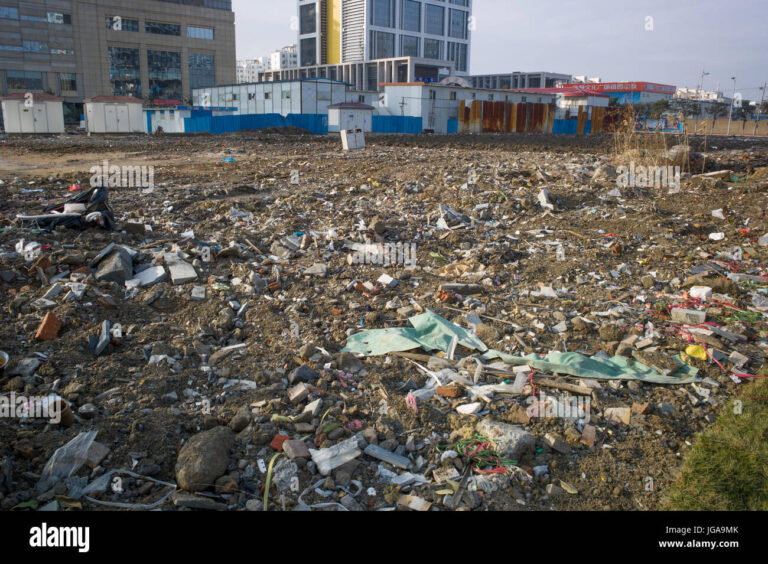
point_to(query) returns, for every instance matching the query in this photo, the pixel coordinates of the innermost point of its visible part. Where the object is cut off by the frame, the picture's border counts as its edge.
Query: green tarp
(431, 332)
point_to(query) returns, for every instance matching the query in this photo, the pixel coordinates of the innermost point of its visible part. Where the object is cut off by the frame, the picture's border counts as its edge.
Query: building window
(382, 45)
(24, 80)
(460, 2)
(68, 82)
(199, 32)
(125, 71)
(453, 95)
(50, 17)
(409, 46)
(9, 13)
(523, 99)
(383, 13)
(162, 28)
(459, 19)
(433, 95)
(410, 15)
(307, 19)
(267, 95)
(308, 52)
(35, 46)
(59, 19)
(433, 49)
(361, 98)
(164, 75)
(202, 71)
(457, 52)
(61, 51)
(286, 94)
(435, 20)
(118, 23)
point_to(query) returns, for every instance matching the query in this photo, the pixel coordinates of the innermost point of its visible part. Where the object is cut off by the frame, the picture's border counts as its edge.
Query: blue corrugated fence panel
(396, 124)
(565, 126)
(315, 123)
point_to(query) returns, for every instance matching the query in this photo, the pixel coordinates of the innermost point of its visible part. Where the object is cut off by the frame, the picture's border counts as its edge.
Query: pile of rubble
(277, 325)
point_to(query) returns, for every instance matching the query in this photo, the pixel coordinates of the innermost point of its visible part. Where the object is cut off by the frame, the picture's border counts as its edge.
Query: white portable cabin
(30, 112)
(301, 96)
(114, 114)
(171, 118)
(350, 116)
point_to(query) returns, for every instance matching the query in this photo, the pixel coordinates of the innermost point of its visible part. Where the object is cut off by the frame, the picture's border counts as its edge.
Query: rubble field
(554, 340)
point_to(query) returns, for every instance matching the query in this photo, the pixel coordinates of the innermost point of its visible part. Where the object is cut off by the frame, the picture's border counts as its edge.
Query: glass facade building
(333, 32)
(151, 49)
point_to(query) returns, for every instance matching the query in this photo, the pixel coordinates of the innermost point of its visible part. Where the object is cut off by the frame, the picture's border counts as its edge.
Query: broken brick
(49, 328)
(277, 442)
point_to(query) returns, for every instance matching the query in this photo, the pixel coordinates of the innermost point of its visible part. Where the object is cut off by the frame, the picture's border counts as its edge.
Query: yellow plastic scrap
(696, 351)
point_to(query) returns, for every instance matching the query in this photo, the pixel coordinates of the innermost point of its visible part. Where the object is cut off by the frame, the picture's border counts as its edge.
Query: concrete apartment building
(284, 58)
(368, 42)
(152, 49)
(248, 70)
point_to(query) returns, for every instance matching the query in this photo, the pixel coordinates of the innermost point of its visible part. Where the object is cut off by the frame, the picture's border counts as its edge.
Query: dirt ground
(625, 259)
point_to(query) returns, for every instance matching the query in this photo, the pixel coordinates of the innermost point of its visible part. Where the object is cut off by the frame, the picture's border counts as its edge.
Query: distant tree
(659, 107)
(642, 110)
(614, 103)
(742, 111)
(718, 111)
(691, 108)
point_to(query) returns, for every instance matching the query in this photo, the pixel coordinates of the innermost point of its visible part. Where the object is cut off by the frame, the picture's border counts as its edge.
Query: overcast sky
(666, 41)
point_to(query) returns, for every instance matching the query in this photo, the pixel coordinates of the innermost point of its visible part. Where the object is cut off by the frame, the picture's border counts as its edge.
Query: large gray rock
(512, 440)
(117, 267)
(204, 458)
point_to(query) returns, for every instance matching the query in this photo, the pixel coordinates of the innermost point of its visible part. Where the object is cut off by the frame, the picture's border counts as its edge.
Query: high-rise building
(348, 31)
(368, 42)
(153, 49)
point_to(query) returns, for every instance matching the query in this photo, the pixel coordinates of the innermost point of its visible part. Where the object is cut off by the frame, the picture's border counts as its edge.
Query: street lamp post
(700, 89)
(760, 106)
(699, 96)
(733, 96)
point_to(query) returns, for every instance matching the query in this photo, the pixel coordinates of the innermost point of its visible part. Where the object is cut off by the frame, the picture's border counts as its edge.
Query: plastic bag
(66, 461)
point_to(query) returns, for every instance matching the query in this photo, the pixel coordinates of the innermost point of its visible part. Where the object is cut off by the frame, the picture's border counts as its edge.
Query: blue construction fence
(569, 126)
(314, 123)
(396, 124)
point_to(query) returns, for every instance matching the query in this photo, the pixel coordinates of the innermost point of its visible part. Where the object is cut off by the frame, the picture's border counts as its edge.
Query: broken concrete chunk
(688, 316)
(181, 272)
(512, 440)
(150, 276)
(384, 455)
(117, 267)
(328, 459)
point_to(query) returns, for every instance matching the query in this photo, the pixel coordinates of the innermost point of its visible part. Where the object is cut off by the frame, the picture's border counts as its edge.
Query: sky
(664, 41)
